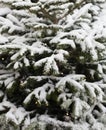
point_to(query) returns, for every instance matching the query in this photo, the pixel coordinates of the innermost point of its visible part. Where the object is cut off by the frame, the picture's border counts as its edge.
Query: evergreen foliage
(52, 60)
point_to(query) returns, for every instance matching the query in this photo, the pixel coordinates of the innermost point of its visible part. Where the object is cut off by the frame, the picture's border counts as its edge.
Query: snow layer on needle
(94, 91)
(51, 1)
(90, 46)
(7, 24)
(78, 13)
(3, 39)
(67, 42)
(5, 105)
(23, 13)
(51, 64)
(19, 40)
(40, 93)
(8, 80)
(4, 11)
(14, 19)
(26, 61)
(62, 84)
(11, 1)
(60, 56)
(77, 77)
(23, 4)
(16, 115)
(81, 29)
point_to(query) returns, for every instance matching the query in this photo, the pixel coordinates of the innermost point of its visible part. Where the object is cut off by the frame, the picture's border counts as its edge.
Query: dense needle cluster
(53, 59)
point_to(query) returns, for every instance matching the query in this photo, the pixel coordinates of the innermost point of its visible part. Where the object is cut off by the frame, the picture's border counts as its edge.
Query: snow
(49, 120)
(3, 39)
(14, 19)
(51, 64)
(62, 125)
(72, 18)
(10, 85)
(102, 108)
(8, 80)
(100, 69)
(62, 84)
(16, 115)
(5, 76)
(40, 93)
(16, 65)
(81, 29)
(7, 1)
(26, 61)
(98, 126)
(23, 4)
(22, 13)
(77, 77)
(91, 91)
(67, 42)
(1, 108)
(27, 121)
(4, 11)
(15, 56)
(5, 105)
(7, 24)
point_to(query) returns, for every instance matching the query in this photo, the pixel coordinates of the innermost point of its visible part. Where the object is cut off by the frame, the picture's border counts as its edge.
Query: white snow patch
(3, 39)
(4, 11)
(16, 115)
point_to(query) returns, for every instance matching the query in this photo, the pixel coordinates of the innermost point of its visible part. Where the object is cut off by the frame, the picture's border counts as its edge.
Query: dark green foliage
(52, 59)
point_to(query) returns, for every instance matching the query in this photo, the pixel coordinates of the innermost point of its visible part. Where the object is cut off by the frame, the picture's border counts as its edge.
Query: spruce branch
(54, 19)
(77, 5)
(50, 17)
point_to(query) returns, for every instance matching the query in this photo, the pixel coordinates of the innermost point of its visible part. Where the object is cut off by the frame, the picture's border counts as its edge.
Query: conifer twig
(51, 18)
(54, 19)
(77, 5)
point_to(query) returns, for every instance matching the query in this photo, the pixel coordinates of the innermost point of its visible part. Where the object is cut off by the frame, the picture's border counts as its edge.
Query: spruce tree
(52, 60)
